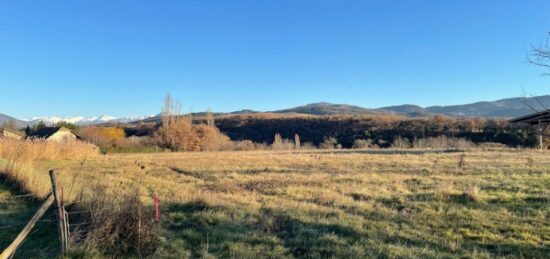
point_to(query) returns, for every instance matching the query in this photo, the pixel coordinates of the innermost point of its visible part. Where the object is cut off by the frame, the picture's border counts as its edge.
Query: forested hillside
(379, 130)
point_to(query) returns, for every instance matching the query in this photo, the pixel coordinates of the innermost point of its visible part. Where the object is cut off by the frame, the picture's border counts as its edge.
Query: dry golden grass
(18, 159)
(334, 203)
(28, 151)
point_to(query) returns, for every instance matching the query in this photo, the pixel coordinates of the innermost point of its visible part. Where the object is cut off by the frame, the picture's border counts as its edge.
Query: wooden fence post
(8, 252)
(60, 218)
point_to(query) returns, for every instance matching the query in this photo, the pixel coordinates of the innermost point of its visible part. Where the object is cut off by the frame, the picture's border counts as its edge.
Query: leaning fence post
(60, 218)
(10, 250)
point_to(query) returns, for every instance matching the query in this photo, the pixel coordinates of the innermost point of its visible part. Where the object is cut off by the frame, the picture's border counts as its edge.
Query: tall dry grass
(18, 159)
(28, 151)
(443, 142)
(118, 231)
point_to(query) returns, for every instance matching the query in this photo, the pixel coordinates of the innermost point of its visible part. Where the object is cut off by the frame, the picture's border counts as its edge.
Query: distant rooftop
(534, 118)
(13, 131)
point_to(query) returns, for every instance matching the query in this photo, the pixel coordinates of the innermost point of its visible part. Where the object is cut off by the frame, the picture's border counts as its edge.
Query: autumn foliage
(102, 136)
(178, 132)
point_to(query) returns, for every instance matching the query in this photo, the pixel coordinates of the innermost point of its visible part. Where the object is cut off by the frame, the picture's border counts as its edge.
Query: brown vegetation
(178, 132)
(102, 136)
(19, 157)
(443, 142)
(28, 151)
(285, 204)
(312, 203)
(378, 130)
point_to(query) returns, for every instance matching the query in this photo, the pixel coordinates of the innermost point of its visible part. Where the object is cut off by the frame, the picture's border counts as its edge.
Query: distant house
(10, 133)
(58, 134)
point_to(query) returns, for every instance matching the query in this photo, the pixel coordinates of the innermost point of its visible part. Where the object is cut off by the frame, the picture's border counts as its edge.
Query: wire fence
(16, 199)
(76, 219)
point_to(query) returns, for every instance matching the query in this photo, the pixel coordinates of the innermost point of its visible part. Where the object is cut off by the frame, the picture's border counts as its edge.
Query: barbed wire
(45, 219)
(20, 196)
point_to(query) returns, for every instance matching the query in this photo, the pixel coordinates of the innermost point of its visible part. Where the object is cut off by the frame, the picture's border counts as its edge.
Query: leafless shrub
(400, 143)
(472, 193)
(462, 161)
(443, 142)
(282, 144)
(330, 143)
(364, 143)
(245, 145)
(120, 225)
(179, 134)
(491, 145)
(297, 143)
(308, 145)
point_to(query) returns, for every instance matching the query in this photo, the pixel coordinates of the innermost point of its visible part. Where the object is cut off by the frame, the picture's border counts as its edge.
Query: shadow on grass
(198, 229)
(506, 250)
(205, 230)
(15, 212)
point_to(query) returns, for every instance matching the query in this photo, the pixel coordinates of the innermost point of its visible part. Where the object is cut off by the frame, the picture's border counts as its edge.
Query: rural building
(541, 120)
(10, 133)
(58, 134)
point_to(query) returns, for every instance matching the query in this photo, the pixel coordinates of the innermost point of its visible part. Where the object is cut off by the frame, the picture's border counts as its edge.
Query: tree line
(373, 130)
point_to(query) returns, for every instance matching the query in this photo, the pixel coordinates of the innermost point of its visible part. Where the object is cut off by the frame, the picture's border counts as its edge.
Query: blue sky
(69, 58)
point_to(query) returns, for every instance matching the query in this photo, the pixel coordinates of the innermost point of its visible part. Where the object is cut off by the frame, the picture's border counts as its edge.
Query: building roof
(46, 132)
(13, 131)
(534, 118)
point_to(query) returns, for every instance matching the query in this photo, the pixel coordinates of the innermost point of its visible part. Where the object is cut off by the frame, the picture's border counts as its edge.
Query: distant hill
(245, 111)
(5, 118)
(504, 108)
(511, 107)
(406, 109)
(324, 108)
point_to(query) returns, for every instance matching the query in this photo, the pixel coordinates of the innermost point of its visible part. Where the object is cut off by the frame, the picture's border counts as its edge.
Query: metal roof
(46, 132)
(534, 118)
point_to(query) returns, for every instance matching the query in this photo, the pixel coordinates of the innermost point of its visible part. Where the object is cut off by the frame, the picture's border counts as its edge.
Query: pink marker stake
(156, 208)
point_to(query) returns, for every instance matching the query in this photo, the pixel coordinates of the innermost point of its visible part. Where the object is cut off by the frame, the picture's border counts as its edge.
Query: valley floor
(318, 204)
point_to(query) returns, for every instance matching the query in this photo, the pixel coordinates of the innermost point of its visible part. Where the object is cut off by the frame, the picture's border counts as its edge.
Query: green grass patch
(15, 212)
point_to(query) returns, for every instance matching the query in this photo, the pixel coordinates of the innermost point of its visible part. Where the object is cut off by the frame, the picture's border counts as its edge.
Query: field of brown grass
(341, 204)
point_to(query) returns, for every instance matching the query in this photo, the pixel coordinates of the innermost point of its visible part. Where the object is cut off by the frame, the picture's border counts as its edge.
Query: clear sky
(68, 58)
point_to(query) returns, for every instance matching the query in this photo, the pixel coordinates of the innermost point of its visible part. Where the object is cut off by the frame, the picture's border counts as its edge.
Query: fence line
(10, 250)
(67, 231)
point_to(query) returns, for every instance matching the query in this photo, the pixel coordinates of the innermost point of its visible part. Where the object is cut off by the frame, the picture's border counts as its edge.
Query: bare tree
(10, 125)
(297, 143)
(526, 98)
(171, 111)
(540, 55)
(277, 142)
(209, 117)
(176, 132)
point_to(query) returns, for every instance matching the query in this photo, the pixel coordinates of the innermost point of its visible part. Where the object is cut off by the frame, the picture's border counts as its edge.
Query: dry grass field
(345, 204)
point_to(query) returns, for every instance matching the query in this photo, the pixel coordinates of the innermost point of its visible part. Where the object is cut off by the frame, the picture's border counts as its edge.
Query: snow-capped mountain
(80, 120)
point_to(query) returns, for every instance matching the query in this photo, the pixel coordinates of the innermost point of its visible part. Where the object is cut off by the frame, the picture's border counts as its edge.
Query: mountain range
(504, 108)
(80, 120)
(511, 107)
